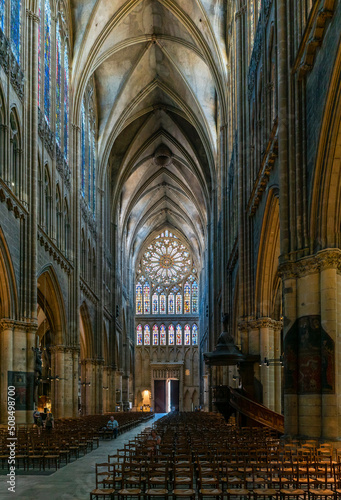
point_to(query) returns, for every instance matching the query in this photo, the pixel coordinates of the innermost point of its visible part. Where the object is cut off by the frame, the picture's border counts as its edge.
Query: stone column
(69, 377)
(311, 344)
(125, 391)
(119, 375)
(75, 384)
(17, 368)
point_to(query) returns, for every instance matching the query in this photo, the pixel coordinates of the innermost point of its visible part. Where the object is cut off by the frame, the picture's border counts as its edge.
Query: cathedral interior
(170, 209)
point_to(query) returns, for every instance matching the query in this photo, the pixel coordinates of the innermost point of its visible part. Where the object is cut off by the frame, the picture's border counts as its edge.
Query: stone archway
(13, 338)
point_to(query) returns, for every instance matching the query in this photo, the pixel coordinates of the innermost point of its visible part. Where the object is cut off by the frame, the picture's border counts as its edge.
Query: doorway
(160, 396)
(173, 395)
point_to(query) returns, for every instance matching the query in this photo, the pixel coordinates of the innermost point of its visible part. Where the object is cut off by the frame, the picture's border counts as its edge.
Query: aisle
(76, 480)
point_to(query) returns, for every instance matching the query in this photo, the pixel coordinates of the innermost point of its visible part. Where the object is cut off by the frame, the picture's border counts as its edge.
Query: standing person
(49, 423)
(113, 425)
(37, 421)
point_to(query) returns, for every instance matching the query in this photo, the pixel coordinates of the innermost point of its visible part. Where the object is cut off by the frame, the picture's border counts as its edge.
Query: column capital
(325, 259)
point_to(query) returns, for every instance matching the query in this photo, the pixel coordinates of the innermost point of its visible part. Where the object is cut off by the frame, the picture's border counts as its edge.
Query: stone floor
(74, 481)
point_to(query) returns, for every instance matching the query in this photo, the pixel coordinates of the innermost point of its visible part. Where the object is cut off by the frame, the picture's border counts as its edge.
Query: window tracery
(16, 28)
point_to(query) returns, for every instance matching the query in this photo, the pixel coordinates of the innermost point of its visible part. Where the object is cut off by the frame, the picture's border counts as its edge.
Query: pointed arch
(267, 278)
(8, 288)
(86, 333)
(325, 214)
(51, 300)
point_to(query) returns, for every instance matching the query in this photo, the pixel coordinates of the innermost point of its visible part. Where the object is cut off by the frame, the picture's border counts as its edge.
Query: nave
(78, 478)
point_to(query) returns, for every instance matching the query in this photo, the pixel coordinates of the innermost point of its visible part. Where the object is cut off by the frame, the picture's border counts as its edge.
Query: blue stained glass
(2, 14)
(47, 61)
(83, 149)
(66, 100)
(58, 88)
(39, 55)
(194, 335)
(89, 164)
(15, 29)
(93, 173)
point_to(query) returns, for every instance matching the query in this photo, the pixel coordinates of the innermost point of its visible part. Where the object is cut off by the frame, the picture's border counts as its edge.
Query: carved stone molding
(325, 259)
(51, 248)
(33, 16)
(257, 323)
(11, 66)
(87, 291)
(58, 348)
(46, 134)
(321, 11)
(63, 168)
(12, 324)
(12, 202)
(258, 44)
(88, 217)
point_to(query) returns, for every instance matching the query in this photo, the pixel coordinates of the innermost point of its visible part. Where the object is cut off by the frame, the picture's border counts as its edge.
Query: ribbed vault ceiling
(160, 72)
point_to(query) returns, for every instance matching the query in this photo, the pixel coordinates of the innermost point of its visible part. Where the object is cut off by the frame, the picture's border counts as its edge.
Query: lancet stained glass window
(163, 335)
(47, 61)
(171, 303)
(39, 55)
(83, 149)
(138, 298)
(194, 335)
(66, 101)
(178, 303)
(16, 29)
(187, 298)
(139, 334)
(155, 303)
(178, 335)
(162, 303)
(171, 335)
(146, 298)
(2, 15)
(187, 335)
(195, 298)
(155, 335)
(58, 87)
(146, 335)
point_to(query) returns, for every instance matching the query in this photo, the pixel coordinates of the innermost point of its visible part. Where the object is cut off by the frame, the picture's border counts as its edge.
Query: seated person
(153, 442)
(112, 425)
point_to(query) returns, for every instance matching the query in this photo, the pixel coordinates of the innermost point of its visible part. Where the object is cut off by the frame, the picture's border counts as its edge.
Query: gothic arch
(325, 215)
(51, 301)
(86, 334)
(8, 289)
(267, 278)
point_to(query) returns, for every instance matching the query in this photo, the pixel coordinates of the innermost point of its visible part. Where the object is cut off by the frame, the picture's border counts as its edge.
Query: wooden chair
(209, 482)
(317, 474)
(102, 473)
(183, 482)
(157, 481)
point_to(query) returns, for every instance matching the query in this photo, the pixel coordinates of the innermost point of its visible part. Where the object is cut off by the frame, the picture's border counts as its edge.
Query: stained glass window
(171, 335)
(167, 260)
(146, 335)
(194, 335)
(83, 149)
(178, 335)
(187, 298)
(163, 335)
(178, 303)
(155, 335)
(47, 61)
(90, 165)
(66, 101)
(2, 14)
(39, 55)
(155, 302)
(16, 29)
(138, 298)
(139, 334)
(171, 303)
(93, 173)
(162, 303)
(58, 87)
(146, 299)
(187, 335)
(195, 297)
